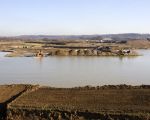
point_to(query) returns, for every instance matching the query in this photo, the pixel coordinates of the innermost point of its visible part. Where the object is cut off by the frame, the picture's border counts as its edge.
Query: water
(76, 71)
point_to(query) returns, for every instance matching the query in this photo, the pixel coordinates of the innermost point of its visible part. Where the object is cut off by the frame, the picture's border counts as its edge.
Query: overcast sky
(66, 17)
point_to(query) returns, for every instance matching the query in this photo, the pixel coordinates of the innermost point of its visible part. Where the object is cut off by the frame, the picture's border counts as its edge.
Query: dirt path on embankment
(9, 93)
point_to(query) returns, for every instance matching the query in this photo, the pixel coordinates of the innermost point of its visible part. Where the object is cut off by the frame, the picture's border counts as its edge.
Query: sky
(73, 17)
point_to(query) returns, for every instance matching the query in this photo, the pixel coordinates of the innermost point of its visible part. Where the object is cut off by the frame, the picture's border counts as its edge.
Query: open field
(139, 44)
(26, 102)
(107, 102)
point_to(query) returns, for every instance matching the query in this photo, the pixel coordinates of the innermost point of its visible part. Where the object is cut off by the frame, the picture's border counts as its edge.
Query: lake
(75, 71)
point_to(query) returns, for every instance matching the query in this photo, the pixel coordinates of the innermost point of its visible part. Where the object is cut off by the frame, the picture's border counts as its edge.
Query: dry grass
(139, 44)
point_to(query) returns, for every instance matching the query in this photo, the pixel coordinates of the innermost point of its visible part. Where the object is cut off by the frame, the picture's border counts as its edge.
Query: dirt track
(7, 94)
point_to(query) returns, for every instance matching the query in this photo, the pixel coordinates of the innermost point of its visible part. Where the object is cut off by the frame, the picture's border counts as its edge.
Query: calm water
(76, 71)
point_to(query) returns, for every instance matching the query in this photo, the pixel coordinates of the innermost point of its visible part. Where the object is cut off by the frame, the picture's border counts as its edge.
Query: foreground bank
(105, 102)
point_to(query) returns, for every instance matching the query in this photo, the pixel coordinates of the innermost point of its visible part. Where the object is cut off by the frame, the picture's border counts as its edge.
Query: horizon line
(70, 34)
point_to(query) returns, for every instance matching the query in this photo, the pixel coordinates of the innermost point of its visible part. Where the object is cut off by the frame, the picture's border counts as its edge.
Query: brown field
(139, 44)
(124, 102)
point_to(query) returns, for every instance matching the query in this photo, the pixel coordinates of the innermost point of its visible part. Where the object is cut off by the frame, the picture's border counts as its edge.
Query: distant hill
(126, 36)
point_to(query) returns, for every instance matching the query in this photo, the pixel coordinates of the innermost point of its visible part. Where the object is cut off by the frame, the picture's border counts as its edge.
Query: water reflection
(39, 59)
(75, 71)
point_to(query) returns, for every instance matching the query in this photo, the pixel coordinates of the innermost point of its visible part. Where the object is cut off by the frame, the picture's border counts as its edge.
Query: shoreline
(67, 48)
(72, 53)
